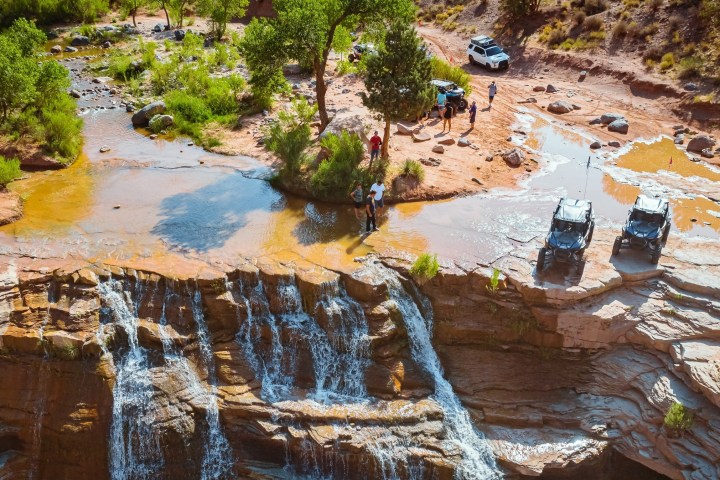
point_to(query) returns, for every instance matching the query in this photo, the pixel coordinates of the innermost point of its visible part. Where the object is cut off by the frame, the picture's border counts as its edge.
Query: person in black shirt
(447, 117)
(370, 210)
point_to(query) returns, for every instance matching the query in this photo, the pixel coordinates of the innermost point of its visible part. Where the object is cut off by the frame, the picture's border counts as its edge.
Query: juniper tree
(398, 78)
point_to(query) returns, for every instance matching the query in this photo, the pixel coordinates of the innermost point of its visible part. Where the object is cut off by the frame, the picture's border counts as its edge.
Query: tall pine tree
(398, 78)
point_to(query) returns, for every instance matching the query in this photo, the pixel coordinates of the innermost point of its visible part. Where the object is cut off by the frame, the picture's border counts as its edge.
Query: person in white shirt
(379, 191)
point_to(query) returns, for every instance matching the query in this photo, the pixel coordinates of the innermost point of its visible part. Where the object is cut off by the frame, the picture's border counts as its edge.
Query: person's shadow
(486, 109)
(358, 241)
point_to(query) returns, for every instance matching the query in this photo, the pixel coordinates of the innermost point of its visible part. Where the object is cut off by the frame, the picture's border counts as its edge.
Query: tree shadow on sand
(207, 218)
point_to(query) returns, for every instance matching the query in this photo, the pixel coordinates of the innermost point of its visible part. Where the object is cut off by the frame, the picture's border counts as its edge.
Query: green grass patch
(9, 170)
(425, 267)
(445, 71)
(413, 168)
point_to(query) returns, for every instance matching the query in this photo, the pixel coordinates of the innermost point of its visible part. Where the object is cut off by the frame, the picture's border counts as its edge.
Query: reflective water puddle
(147, 198)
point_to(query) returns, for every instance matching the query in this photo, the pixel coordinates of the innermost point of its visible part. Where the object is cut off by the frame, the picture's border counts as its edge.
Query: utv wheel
(655, 257)
(472, 60)
(590, 235)
(616, 245)
(666, 234)
(580, 268)
(462, 104)
(541, 261)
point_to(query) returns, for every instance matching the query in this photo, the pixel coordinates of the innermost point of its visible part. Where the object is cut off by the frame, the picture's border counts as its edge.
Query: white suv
(484, 51)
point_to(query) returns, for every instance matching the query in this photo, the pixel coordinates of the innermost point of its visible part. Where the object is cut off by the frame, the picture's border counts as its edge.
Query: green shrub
(494, 282)
(190, 108)
(443, 70)
(220, 97)
(289, 136)
(345, 67)
(689, 67)
(337, 174)
(52, 11)
(425, 267)
(9, 170)
(593, 24)
(667, 62)
(62, 129)
(593, 7)
(679, 418)
(620, 29)
(413, 168)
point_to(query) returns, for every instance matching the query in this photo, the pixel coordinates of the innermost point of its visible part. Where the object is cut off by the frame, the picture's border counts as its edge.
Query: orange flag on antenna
(670, 160)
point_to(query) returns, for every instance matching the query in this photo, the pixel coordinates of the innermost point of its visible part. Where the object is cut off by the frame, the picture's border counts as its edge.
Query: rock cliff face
(270, 370)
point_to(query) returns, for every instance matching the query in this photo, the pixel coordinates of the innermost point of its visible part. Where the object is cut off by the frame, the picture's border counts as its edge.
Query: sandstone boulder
(560, 107)
(80, 41)
(447, 141)
(700, 143)
(403, 129)
(346, 121)
(421, 137)
(142, 117)
(619, 126)
(538, 88)
(161, 122)
(514, 157)
(551, 89)
(70, 49)
(438, 149)
(56, 49)
(608, 118)
(614, 144)
(595, 145)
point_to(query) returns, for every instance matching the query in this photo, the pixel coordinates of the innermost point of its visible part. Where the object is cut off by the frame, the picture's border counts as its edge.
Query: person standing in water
(357, 198)
(370, 211)
(472, 111)
(379, 189)
(492, 90)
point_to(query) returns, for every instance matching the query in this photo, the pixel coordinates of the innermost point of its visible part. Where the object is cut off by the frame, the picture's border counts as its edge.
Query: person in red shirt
(375, 143)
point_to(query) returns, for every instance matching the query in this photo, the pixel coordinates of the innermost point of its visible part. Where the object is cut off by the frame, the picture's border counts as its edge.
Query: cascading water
(135, 450)
(478, 461)
(339, 351)
(217, 460)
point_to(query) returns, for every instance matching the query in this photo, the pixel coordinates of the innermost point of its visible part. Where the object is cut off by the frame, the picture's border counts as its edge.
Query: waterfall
(478, 461)
(217, 459)
(135, 450)
(135, 444)
(339, 349)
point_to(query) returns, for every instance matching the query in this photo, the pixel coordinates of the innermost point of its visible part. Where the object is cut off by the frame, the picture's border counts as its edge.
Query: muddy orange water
(151, 200)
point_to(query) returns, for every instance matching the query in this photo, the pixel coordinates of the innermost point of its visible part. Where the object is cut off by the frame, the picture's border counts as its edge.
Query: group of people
(447, 111)
(372, 202)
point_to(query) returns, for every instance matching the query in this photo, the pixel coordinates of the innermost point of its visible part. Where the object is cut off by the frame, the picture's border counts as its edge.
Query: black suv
(647, 227)
(570, 234)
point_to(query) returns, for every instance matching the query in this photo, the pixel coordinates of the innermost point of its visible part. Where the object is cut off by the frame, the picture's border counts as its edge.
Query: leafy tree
(132, 7)
(33, 97)
(520, 8)
(398, 78)
(309, 28)
(220, 12)
(18, 75)
(164, 5)
(261, 46)
(177, 7)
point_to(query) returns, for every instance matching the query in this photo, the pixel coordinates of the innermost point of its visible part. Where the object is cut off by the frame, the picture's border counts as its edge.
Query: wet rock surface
(557, 375)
